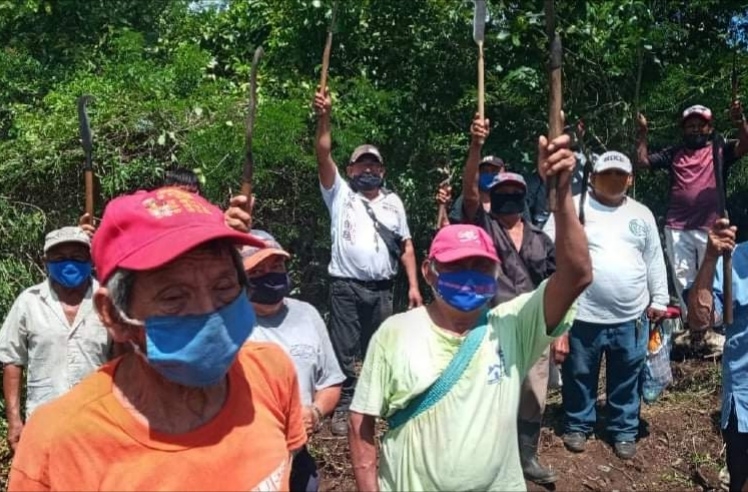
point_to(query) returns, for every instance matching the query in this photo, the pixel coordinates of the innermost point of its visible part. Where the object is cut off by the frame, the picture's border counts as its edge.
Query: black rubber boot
(529, 435)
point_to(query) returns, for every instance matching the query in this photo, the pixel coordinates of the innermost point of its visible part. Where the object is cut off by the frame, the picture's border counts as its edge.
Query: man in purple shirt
(693, 205)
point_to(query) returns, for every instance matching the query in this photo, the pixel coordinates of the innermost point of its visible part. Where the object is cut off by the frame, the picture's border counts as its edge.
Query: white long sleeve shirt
(627, 262)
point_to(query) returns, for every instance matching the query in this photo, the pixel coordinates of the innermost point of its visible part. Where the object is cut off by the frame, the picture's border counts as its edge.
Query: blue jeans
(625, 349)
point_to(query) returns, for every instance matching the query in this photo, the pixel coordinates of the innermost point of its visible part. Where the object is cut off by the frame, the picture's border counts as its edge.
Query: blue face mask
(366, 182)
(485, 180)
(198, 351)
(465, 290)
(69, 273)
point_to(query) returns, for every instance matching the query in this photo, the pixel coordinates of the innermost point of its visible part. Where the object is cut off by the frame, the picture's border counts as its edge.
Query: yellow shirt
(468, 440)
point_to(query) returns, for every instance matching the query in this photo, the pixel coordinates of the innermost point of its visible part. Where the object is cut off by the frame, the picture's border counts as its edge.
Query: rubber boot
(529, 435)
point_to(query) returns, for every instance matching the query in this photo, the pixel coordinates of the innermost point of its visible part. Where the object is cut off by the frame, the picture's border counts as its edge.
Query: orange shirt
(86, 440)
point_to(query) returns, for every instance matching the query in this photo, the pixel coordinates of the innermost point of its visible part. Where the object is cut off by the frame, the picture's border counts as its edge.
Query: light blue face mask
(197, 351)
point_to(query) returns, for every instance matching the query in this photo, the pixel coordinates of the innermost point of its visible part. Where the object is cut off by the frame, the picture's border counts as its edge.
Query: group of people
(163, 351)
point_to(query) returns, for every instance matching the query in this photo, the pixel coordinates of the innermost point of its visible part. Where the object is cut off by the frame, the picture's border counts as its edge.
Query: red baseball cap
(146, 230)
(460, 241)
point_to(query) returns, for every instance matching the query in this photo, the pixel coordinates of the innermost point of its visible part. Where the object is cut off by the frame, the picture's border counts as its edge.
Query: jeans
(736, 444)
(304, 476)
(356, 311)
(625, 349)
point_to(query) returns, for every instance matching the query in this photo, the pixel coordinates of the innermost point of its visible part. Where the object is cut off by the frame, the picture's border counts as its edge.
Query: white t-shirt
(627, 262)
(357, 249)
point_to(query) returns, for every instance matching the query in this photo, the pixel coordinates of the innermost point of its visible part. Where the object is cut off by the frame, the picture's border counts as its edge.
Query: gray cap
(363, 150)
(612, 160)
(252, 256)
(68, 234)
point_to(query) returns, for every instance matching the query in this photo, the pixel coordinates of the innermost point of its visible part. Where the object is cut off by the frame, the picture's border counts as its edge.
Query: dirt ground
(679, 448)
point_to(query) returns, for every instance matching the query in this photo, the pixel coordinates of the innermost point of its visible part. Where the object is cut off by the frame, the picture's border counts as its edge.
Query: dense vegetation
(170, 77)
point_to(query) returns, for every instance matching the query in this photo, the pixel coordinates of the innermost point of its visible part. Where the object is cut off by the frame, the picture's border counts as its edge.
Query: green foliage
(170, 85)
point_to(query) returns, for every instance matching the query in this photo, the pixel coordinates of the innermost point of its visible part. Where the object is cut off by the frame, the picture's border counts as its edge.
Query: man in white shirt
(370, 235)
(629, 289)
(52, 330)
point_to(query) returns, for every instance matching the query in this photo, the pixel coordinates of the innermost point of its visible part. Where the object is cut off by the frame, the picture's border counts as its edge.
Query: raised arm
(701, 315)
(739, 121)
(470, 193)
(642, 150)
(323, 142)
(573, 263)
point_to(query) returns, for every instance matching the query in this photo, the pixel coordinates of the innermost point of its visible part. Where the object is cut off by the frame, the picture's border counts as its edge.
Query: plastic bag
(657, 373)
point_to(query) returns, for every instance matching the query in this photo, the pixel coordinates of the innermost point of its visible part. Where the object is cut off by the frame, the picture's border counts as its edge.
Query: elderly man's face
(68, 251)
(478, 264)
(198, 282)
(365, 165)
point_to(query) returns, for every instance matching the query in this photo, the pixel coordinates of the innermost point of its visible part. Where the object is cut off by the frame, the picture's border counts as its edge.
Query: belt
(385, 284)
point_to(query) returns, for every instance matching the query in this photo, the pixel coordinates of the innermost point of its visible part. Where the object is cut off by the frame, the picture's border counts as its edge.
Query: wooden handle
(441, 216)
(555, 103)
(727, 288)
(325, 63)
(481, 83)
(247, 191)
(89, 193)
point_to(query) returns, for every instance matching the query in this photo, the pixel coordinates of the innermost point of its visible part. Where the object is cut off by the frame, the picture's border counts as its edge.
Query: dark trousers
(304, 477)
(737, 454)
(356, 311)
(625, 349)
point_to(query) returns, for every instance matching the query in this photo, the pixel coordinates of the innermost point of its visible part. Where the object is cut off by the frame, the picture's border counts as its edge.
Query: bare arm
(323, 142)
(642, 150)
(470, 192)
(408, 260)
(701, 296)
(326, 399)
(12, 376)
(363, 451)
(573, 264)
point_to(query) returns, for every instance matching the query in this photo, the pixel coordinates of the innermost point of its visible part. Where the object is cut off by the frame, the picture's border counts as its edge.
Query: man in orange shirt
(189, 408)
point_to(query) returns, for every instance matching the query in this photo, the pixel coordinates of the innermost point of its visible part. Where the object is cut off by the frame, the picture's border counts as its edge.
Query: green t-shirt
(468, 440)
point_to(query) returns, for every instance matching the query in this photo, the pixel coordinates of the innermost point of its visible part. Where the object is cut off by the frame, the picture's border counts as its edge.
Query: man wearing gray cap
(52, 330)
(299, 329)
(370, 236)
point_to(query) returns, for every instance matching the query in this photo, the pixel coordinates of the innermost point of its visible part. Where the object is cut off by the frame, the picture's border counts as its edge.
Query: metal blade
(84, 127)
(479, 21)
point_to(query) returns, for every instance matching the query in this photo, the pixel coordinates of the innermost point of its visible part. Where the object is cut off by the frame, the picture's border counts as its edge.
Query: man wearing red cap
(447, 376)
(186, 409)
(693, 205)
(370, 235)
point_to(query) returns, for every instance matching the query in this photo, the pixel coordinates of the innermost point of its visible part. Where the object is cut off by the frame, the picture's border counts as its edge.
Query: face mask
(507, 203)
(698, 141)
(270, 288)
(466, 290)
(366, 182)
(197, 351)
(484, 181)
(69, 273)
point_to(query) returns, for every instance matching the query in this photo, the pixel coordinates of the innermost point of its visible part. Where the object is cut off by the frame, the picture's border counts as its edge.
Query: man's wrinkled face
(200, 281)
(696, 125)
(68, 251)
(364, 165)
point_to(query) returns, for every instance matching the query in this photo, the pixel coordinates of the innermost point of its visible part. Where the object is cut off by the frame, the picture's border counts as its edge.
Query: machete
(328, 49)
(479, 32)
(87, 143)
(249, 161)
(555, 101)
(718, 146)
(585, 173)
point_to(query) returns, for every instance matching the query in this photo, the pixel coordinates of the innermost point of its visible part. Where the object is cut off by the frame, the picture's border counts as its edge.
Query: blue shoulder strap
(446, 381)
